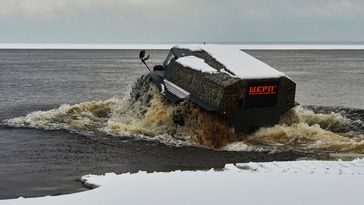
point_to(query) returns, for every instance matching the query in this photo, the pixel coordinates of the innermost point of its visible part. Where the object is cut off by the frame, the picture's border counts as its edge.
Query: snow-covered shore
(296, 182)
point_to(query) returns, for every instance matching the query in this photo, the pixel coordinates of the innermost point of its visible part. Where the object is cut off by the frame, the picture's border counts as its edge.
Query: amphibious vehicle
(248, 93)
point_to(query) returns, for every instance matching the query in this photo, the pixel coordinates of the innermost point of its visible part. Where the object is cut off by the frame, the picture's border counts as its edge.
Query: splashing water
(145, 114)
(302, 129)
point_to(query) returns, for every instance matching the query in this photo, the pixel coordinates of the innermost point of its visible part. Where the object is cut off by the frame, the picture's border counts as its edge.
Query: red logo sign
(263, 90)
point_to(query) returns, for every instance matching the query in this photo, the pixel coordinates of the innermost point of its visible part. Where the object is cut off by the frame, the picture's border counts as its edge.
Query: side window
(168, 59)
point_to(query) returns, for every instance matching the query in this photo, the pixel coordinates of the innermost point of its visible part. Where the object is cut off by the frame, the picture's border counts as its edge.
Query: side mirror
(143, 58)
(142, 54)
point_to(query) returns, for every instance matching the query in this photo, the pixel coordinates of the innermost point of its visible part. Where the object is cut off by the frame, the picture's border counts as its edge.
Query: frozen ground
(295, 182)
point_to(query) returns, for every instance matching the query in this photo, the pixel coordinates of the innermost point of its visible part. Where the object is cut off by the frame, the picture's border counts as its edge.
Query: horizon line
(163, 46)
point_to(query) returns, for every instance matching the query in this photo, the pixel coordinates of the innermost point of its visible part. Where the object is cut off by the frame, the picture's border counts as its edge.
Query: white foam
(242, 147)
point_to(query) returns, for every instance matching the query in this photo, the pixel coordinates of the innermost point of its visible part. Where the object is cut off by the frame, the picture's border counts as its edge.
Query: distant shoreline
(168, 46)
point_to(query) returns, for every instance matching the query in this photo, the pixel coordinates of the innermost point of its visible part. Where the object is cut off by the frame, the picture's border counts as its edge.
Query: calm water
(37, 162)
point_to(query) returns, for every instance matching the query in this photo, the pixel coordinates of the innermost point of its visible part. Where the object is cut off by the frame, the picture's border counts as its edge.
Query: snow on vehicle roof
(196, 63)
(243, 65)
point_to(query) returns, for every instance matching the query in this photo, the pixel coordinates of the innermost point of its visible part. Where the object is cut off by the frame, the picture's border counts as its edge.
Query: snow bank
(298, 182)
(196, 63)
(238, 62)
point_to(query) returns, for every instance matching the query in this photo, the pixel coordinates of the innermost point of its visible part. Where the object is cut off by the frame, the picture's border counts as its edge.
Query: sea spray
(145, 114)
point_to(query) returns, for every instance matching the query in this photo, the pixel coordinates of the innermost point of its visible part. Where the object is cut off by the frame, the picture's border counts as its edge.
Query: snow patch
(293, 182)
(243, 65)
(196, 63)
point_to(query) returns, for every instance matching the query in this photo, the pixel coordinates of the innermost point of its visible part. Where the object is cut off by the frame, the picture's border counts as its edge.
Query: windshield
(168, 59)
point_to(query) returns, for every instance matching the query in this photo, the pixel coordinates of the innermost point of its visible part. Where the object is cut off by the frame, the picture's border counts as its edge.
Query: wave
(145, 114)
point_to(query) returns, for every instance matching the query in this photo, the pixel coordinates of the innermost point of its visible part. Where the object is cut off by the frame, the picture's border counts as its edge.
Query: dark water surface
(38, 162)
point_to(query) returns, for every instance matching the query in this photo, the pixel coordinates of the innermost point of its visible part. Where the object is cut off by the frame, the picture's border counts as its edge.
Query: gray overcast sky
(177, 21)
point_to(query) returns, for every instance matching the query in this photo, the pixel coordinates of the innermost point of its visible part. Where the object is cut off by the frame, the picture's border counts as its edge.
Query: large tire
(139, 88)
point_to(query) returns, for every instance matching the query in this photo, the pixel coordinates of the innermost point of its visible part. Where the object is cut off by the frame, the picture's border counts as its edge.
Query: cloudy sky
(180, 21)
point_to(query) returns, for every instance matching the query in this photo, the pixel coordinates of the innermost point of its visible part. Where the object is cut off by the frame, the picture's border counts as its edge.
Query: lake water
(36, 162)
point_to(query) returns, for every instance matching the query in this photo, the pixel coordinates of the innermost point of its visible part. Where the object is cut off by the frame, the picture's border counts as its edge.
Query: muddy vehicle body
(248, 93)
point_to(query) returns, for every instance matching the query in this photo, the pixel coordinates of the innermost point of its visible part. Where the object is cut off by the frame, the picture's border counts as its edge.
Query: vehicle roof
(235, 62)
